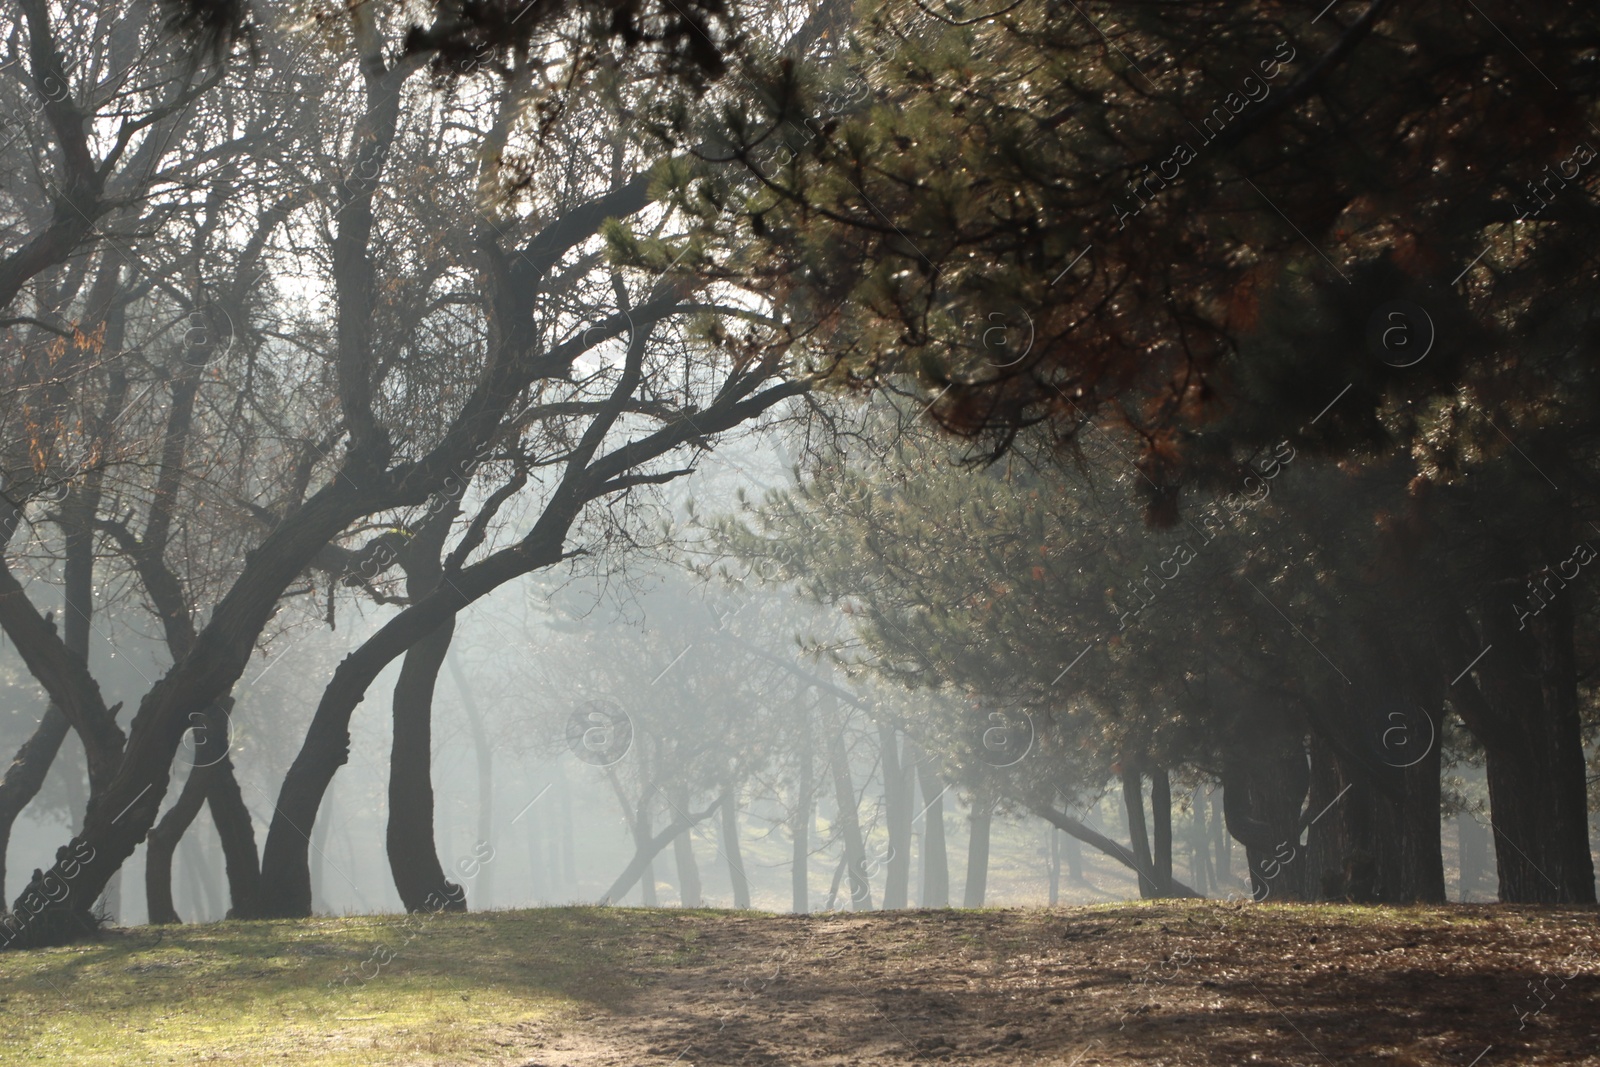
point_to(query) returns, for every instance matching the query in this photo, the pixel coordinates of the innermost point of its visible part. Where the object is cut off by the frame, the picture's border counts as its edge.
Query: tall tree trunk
(413, 855)
(1538, 803)
(237, 834)
(485, 756)
(1161, 814)
(844, 795)
(980, 820)
(800, 823)
(1138, 836)
(898, 789)
(732, 851)
(690, 893)
(1221, 843)
(936, 860)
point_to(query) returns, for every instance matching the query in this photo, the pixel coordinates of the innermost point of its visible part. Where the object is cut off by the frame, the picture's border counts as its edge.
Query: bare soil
(1194, 983)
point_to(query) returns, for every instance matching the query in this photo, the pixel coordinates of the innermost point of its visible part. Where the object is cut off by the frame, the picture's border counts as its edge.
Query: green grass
(362, 990)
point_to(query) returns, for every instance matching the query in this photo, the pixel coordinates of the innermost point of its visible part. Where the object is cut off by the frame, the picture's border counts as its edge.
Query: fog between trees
(760, 458)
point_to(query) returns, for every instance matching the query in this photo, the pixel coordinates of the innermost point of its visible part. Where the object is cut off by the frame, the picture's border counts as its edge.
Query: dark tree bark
(1138, 835)
(1538, 805)
(935, 859)
(413, 856)
(1161, 814)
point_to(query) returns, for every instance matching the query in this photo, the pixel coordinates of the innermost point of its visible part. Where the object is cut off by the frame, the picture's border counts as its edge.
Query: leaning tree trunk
(648, 848)
(935, 859)
(1076, 830)
(25, 776)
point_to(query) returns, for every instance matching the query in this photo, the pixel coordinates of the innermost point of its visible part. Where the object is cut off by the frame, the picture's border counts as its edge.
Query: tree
(1113, 255)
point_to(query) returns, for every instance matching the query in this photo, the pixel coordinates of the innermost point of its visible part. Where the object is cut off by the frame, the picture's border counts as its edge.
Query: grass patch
(360, 990)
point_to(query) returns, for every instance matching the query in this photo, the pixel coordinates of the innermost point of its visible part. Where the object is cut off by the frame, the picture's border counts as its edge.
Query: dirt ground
(1202, 984)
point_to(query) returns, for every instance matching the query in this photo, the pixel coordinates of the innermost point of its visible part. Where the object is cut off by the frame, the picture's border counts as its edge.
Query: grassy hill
(1193, 983)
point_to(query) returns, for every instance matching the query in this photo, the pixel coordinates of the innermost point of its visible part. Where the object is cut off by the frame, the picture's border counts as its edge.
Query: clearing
(1203, 983)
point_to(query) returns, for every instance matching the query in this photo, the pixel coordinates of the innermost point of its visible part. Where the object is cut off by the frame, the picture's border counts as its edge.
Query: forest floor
(1202, 983)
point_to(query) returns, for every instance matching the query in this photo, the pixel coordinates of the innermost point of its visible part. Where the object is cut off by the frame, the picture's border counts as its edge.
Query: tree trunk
(844, 795)
(1161, 813)
(25, 776)
(898, 788)
(978, 853)
(1538, 803)
(210, 779)
(801, 821)
(1221, 843)
(690, 894)
(935, 859)
(1078, 831)
(1138, 836)
(234, 828)
(733, 853)
(285, 874)
(413, 855)
(647, 850)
